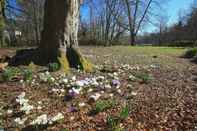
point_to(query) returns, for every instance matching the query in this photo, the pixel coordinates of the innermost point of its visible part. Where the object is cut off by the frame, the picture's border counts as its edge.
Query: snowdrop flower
(134, 93)
(22, 95)
(82, 104)
(100, 77)
(74, 78)
(108, 86)
(21, 81)
(39, 102)
(58, 117)
(20, 121)
(115, 74)
(102, 92)
(40, 120)
(119, 91)
(26, 108)
(9, 111)
(65, 81)
(39, 107)
(90, 90)
(96, 96)
(72, 118)
(111, 95)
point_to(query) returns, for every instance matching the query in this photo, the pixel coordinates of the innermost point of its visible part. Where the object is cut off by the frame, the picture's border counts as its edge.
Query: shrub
(182, 43)
(53, 67)
(190, 53)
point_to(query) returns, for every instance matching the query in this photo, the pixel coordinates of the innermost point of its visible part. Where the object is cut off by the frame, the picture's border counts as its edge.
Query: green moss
(64, 63)
(87, 65)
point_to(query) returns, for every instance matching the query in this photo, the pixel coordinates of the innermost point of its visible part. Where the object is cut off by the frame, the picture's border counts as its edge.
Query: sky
(174, 7)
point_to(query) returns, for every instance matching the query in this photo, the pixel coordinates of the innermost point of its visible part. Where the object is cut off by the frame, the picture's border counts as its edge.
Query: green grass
(137, 55)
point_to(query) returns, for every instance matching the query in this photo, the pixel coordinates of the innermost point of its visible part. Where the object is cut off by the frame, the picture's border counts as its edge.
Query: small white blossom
(82, 104)
(58, 117)
(9, 111)
(40, 120)
(96, 96)
(20, 121)
(134, 93)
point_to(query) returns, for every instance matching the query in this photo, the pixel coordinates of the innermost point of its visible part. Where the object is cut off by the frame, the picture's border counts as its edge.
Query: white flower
(20, 121)
(111, 95)
(9, 111)
(108, 86)
(134, 93)
(74, 78)
(26, 108)
(72, 118)
(115, 74)
(58, 117)
(119, 91)
(22, 95)
(39, 107)
(40, 120)
(65, 81)
(90, 90)
(82, 104)
(96, 96)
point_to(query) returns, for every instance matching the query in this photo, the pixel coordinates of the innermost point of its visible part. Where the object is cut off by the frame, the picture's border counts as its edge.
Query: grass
(138, 55)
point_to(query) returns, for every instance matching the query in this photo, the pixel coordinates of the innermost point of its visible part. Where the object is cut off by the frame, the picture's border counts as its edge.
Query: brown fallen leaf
(3, 66)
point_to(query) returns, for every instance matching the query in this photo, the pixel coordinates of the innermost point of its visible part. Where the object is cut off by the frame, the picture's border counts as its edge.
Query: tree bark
(61, 21)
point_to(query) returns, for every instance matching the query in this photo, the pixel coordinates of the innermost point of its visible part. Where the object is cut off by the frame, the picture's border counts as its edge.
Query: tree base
(69, 58)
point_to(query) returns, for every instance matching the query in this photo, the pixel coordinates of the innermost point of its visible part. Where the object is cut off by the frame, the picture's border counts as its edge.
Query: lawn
(131, 88)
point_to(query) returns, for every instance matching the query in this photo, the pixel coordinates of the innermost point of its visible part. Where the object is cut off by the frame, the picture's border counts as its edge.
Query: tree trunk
(60, 35)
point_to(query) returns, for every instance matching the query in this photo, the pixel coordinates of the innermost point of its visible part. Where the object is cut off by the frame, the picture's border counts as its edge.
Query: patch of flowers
(44, 119)
(24, 105)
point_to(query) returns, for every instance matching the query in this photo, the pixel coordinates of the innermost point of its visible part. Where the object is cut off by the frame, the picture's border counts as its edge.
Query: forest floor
(132, 88)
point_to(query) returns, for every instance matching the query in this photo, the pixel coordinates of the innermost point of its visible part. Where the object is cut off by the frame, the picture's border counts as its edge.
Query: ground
(155, 85)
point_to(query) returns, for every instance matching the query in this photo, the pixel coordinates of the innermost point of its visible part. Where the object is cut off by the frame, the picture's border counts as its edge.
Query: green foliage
(103, 105)
(27, 74)
(53, 67)
(190, 53)
(146, 78)
(8, 74)
(124, 113)
(114, 121)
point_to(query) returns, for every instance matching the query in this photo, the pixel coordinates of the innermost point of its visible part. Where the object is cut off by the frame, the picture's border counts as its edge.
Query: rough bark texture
(61, 21)
(59, 37)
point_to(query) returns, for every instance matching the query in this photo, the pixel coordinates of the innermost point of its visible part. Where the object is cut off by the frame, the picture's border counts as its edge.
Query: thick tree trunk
(61, 21)
(59, 37)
